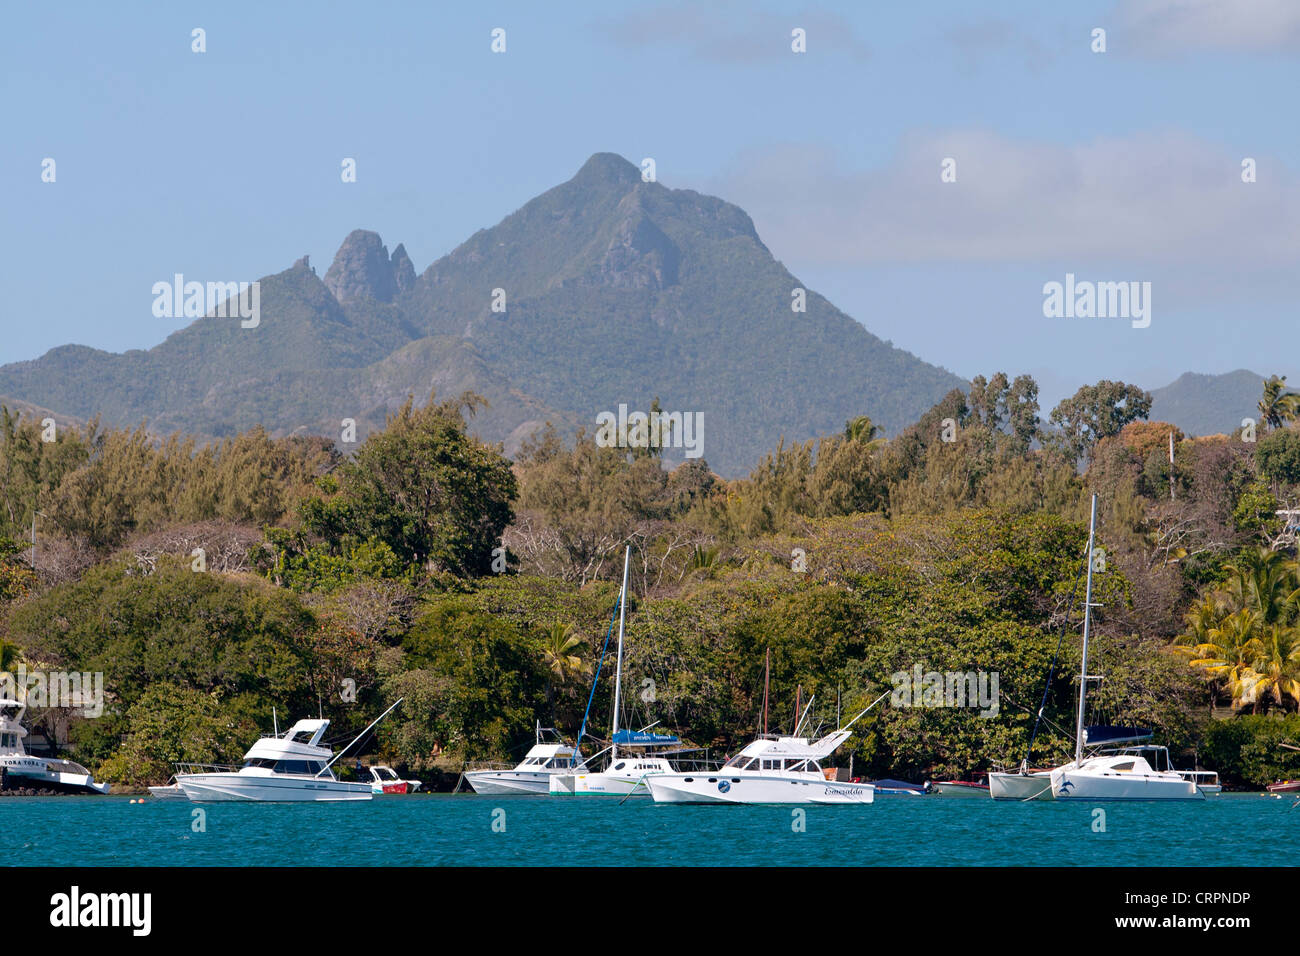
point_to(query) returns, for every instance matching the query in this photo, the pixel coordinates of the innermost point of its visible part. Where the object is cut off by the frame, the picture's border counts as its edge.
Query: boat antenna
(275, 721)
(618, 667)
(1087, 621)
(360, 735)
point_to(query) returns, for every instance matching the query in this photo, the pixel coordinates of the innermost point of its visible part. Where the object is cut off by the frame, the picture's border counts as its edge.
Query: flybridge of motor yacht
(777, 752)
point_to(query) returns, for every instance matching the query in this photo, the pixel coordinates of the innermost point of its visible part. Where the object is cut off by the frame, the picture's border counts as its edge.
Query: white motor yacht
(549, 755)
(284, 768)
(21, 769)
(771, 769)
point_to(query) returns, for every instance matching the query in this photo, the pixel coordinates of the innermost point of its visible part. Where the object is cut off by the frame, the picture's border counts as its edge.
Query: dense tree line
(212, 583)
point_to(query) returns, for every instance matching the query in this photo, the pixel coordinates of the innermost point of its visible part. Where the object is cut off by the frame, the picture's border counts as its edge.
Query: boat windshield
(301, 767)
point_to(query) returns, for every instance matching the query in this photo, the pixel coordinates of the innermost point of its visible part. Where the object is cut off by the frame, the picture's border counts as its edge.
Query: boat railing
(205, 768)
(490, 765)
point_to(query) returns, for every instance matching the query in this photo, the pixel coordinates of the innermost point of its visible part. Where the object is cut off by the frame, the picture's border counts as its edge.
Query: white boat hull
(509, 781)
(1070, 783)
(599, 785)
(1021, 786)
(37, 772)
(703, 788)
(271, 788)
(171, 792)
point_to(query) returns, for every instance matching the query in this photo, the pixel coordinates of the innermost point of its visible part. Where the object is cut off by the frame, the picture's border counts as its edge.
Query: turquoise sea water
(442, 830)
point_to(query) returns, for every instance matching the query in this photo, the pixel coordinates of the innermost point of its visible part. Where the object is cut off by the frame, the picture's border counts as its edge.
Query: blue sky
(1116, 166)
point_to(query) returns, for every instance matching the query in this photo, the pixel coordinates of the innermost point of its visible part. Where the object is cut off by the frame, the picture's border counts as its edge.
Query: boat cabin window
(302, 737)
(8, 740)
(261, 762)
(1127, 765)
(620, 765)
(311, 767)
(736, 761)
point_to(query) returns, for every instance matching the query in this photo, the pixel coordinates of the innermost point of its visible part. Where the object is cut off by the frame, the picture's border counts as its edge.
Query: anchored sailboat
(626, 773)
(1112, 774)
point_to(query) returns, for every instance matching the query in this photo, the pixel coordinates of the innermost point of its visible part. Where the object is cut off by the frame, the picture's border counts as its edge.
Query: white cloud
(1152, 198)
(1183, 26)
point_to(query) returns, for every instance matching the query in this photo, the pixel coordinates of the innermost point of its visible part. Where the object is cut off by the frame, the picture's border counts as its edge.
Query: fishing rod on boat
(360, 735)
(865, 709)
(803, 715)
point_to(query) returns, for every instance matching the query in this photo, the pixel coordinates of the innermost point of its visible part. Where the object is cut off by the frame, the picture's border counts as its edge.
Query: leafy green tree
(170, 724)
(1095, 412)
(489, 677)
(1278, 455)
(16, 575)
(437, 496)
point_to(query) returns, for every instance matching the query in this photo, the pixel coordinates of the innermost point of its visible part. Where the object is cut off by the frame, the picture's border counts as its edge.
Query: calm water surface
(443, 830)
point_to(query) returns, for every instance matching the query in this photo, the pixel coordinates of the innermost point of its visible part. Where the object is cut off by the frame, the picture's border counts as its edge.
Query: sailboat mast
(1087, 621)
(767, 680)
(618, 668)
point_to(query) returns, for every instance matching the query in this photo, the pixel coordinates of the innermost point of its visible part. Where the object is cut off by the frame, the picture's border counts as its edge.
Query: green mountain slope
(615, 290)
(1208, 404)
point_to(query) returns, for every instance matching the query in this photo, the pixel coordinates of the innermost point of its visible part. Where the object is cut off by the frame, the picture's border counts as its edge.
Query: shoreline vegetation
(209, 584)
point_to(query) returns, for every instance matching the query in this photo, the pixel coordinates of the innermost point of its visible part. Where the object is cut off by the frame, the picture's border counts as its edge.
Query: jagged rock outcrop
(363, 268)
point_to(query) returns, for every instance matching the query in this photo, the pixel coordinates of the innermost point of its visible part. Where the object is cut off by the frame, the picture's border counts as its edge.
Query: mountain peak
(362, 268)
(608, 169)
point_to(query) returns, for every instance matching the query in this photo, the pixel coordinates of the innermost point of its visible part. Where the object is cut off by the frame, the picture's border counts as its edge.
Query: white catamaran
(1110, 774)
(626, 773)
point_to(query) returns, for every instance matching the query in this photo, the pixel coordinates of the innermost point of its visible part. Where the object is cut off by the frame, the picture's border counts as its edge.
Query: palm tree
(562, 665)
(1225, 652)
(1275, 659)
(862, 429)
(1276, 408)
(1266, 582)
